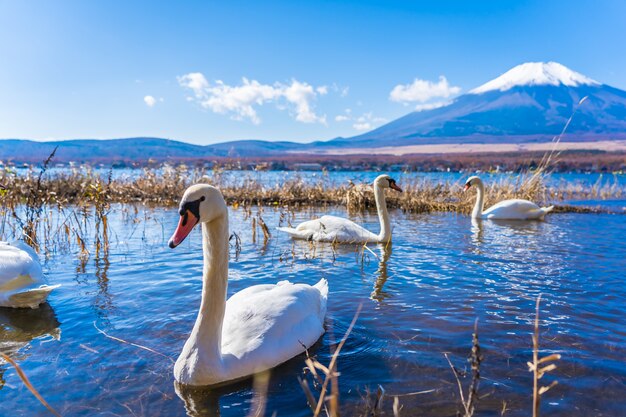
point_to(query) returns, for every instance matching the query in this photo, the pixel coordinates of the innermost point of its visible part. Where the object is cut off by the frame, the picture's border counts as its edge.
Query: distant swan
(22, 283)
(338, 229)
(259, 327)
(515, 209)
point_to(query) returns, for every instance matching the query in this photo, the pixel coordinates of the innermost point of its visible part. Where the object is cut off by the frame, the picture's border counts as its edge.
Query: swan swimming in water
(259, 327)
(22, 283)
(515, 209)
(341, 230)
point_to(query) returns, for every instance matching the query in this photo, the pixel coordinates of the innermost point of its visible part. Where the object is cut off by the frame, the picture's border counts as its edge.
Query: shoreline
(482, 148)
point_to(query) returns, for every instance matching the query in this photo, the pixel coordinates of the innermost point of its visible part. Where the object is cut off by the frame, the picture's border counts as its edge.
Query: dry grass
(475, 359)
(538, 367)
(327, 374)
(28, 384)
(164, 188)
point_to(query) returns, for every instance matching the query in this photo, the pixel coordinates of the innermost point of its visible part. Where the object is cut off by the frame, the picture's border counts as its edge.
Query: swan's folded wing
(512, 209)
(271, 323)
(16, 263)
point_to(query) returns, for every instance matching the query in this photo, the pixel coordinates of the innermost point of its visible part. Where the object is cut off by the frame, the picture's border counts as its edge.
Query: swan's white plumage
(265, 325)
(341, 230)
(515, 209)
(331, 229)
(22, 283)
(259, 327)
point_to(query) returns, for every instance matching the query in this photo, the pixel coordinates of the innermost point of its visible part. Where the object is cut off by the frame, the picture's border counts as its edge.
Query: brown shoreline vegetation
(165, 186)
(518, 161)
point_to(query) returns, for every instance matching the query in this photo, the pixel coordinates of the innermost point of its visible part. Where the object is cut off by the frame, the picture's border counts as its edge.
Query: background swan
(515, 209)
(257, 328)
(22, 283)
(339, 229)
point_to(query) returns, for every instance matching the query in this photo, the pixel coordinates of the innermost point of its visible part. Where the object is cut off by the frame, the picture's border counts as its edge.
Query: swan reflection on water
(382, 275)
(19, 326)
(518, 256)
(205, 401)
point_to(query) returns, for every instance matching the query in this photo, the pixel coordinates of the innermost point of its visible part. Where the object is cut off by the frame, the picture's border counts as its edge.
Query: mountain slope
(531, 102)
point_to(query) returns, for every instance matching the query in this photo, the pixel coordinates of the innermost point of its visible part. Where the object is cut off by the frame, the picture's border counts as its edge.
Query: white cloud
(150, 101)
(367, 121)
(341, 118)
(422, 91)
(241, 101)
(362, 126)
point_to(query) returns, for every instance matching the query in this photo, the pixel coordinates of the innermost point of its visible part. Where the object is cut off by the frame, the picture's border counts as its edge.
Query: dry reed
(28, 384)
(475, 359)
(537, 366)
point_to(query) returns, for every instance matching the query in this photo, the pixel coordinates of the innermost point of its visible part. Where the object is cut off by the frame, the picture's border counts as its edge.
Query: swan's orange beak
(185, 225)
(467, 187)
(393, 186)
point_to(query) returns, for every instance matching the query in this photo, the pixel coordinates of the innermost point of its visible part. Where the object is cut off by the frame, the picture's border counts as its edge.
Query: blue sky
(206, 72)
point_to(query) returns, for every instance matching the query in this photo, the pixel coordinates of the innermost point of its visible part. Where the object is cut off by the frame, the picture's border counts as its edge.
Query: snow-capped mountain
(528, 103)
(535, 73)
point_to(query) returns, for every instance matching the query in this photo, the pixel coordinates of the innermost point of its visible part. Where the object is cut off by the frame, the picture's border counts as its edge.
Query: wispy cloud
(150, 101)
(241, 101)
(423, 91)
(364, 122)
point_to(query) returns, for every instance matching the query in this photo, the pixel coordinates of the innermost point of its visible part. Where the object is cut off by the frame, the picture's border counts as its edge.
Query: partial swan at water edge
(341, 230)
(259, 327)
(516, 209)
(22, 283)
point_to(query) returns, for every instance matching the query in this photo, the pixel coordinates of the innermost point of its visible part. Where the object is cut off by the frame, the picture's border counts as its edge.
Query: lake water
(419, 299)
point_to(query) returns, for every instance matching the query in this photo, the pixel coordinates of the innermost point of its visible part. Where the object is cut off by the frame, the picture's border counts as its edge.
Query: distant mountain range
(529, 103)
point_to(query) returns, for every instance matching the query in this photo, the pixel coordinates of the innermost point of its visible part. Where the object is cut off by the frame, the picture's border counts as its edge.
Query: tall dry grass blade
(309, 395)
(131, 343)
(331, 367)
(475, 360)
(28, 384)
(534, 366)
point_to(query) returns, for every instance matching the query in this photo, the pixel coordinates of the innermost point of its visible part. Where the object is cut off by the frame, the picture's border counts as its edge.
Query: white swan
(515, 209)
(22, 283)
(257, 328)
(340, 230)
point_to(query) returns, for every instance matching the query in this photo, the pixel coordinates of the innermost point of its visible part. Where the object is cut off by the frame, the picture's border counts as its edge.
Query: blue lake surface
(420, 298)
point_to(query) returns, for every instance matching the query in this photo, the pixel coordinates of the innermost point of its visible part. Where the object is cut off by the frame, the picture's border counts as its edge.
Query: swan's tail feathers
(295, 233)
(32, 297)
(322, 286)
(544, 211)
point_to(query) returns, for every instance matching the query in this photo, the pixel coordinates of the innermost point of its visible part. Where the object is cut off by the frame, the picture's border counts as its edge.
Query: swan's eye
(202, 198)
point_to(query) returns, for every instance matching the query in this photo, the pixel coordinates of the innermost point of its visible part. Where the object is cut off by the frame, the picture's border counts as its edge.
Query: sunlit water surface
(420, 298)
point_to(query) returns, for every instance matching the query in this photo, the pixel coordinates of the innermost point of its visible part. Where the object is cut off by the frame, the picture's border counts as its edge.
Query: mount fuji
(529, 103)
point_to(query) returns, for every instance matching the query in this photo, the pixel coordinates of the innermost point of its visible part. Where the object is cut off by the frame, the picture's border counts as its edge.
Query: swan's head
(201, 203)
(471, 181)
(385, 181)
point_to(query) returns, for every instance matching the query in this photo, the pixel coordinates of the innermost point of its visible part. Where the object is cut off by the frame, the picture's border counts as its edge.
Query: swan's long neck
(477, 212)
(383, 215)
(207, 332)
